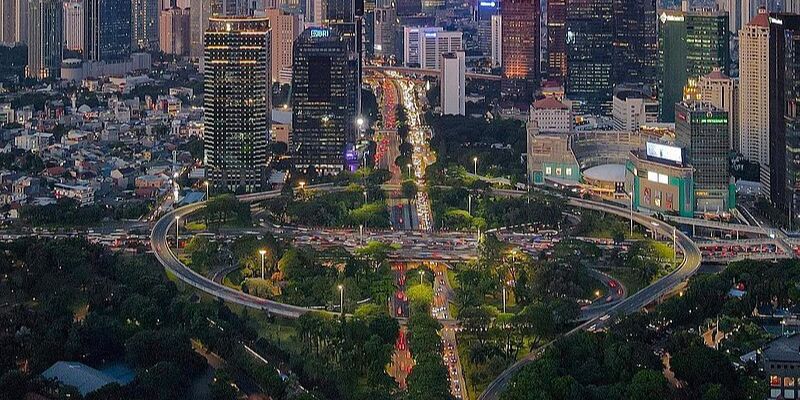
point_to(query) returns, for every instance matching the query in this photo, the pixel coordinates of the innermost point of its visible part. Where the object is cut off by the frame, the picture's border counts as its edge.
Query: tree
(420, 294)
(222, 387)
(409, 189)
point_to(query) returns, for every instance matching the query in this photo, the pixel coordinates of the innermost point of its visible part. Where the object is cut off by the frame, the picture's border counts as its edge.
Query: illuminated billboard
(664, 152)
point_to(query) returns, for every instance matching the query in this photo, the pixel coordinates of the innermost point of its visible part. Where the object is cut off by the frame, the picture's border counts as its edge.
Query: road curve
(632, 304)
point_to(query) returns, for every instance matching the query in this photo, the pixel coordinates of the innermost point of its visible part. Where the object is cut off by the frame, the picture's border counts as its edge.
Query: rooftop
(784, 348)
(83, 377)
(549, 103)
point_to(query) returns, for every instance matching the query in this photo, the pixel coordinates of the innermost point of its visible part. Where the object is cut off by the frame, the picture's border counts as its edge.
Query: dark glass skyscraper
(237, 102)
(45, 38)
(635, 41)
(521, 19)
(590, 55)
(108, 29)
(323, 101)
(556, 40)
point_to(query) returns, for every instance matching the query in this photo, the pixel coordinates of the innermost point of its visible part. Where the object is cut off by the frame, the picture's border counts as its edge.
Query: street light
(302, 185)
(504, 298)
(630, 195)
(262, 252)
(409, 170)
(361, 234)
(177, 242)
(421, 274)
(365, 197)
(475, 161)
(674, 247)
(207, 196)
(469, 205)
(341, 298)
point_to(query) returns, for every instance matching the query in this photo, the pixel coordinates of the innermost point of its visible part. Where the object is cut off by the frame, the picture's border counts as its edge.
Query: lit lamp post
(262, 252)
(674, 247)
(421, 274)
(631, 210)
(207, 192)
(341, 299)
(365, 197)
(504, 298)
(177, 240)
(469, 205)
(409, 170)
(475, 162)
(361, 233)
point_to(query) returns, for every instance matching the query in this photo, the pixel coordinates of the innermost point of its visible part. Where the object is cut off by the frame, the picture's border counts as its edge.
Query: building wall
(175, 31)
(45, 39)
(453, 84)
(73, 25)
(285, 29)
(521, 46)
(497, 41)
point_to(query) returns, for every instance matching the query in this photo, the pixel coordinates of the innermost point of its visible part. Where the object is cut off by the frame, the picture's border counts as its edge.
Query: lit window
(569, 171)
(558, 171)
(663, 179)
(788, 381)
(774, 380)
(548, 170)
(652, 176)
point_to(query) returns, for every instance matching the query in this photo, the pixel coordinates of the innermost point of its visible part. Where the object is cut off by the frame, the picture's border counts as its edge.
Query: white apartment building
(754, 92)
(453, 84)
(497, 40)
(423, 46)
(551, 116)
(630, 110)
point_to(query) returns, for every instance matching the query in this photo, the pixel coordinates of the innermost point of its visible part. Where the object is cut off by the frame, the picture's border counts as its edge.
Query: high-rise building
(557, 40)
(722, 92)
(45, 38)
(108, 30)
(174, 31)
(702, 131)
(73, 25)
(521, 46)
(633, 108)
(408, 7)
(199, 12)
(691, 45)
(323, 102)
(484, 11)
(792, 118)
(237, 97)
(286, 27)
(144, 24)
(497, 40)
(386, 24)
(635, 41)
(754, 107)
(425, 45)
(453, 85)
(590, 55)
(13, 21)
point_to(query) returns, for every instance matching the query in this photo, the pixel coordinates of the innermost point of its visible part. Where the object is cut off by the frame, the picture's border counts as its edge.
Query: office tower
(144, 24)
(174, 31)
(497, 40)
(702, 131)
(453, 84)
(754, 110)
(557, 40)
(337, 11)
(590, 55)
(199, 12)
(632, 108)
(324, 102)
(721, 91)
(484, 12)
(792, 118)
(408, 7)
(386, 24)
(108, 30)
(73, 25)
(237, 96)
(520, 20)
(45, 38)
(286, 28)
(635, 41)
(691, 45)
(13, 21)
(425, 45)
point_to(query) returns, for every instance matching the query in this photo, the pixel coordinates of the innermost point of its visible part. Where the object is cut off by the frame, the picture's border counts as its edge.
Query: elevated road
(632, 304)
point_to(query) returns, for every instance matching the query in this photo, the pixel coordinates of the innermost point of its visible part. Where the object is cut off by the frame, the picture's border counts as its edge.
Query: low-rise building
(659, 180)
(83, 194)
(552, 116)
(781, 362)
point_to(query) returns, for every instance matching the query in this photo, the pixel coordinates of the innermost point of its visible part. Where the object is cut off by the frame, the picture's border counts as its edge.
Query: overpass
(433, 73)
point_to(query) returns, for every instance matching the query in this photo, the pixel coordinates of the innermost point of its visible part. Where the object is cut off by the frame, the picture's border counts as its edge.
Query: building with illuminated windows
(520, 30)
(425, 45)
(590, 56)
(701, 130)
(660, 180)
(323, 102)
(45, 38)
(781, 362)
(107, 30)
(237, 97)
(557, 40)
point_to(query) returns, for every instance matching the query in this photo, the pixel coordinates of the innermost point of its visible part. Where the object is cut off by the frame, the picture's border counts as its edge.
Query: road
(441, 311)
(632, 304)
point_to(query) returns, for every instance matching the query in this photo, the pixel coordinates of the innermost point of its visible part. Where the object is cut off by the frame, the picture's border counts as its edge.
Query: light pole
(262, 252)
(421, 274)
(341, 299)
(469, 205)
(475, 161)
(365, 197)
(674, 247)
(409, 170)
(361, 234)
(504, 298)
(177, 240)
(207, 193)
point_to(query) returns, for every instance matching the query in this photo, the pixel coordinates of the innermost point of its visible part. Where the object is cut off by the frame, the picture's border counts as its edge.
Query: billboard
(665, 152)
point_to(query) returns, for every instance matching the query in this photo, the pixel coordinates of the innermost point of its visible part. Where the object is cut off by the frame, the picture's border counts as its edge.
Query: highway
(632, 304)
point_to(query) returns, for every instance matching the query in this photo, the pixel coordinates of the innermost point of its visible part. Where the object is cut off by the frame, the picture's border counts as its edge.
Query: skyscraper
(386, 23)
(497, 40)
(199, 12)
(453, 85)
(323, 102)
(237, 96)
(557, 40)
(702, 131)
(635, 41)
(13, 21)
(108, 29)
(691, 45)
(484, 11)
(590, 55)
(73, 25)
(174, 35)
(286, 28)
(754, 107)
(722, 92)
(520, 20)
(45, 38)
(144, 24)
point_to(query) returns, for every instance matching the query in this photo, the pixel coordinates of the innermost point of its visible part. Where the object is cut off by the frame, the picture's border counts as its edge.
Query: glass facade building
(590, 55)
(108, 30)
(237, 97)
(520, 20)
